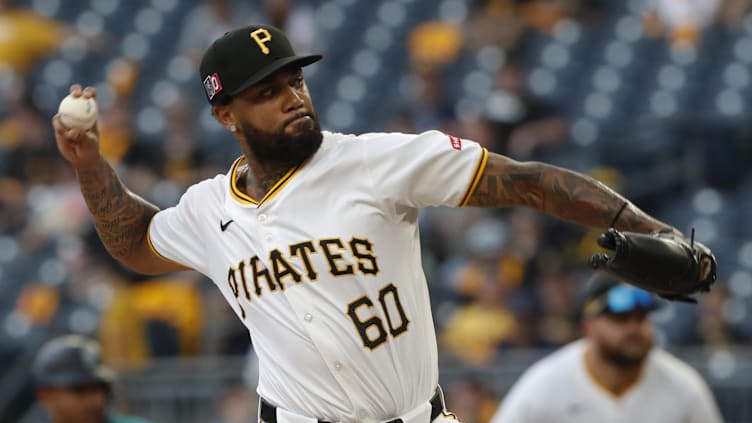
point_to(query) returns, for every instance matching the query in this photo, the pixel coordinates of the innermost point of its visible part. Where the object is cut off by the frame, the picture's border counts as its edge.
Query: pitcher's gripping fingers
(80, 148)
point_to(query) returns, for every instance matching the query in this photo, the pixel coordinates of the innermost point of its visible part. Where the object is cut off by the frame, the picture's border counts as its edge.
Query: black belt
(268, 412)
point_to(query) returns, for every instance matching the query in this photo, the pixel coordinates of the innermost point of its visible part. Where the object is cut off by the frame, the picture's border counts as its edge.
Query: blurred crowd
(480, 69)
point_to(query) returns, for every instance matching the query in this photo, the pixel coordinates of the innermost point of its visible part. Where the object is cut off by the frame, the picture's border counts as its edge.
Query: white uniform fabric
(325, 270)
(560, 389)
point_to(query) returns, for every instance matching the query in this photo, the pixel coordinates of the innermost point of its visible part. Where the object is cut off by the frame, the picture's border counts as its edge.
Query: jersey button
(262, 217)
(268, 238)
(337, 366)
(308, 317)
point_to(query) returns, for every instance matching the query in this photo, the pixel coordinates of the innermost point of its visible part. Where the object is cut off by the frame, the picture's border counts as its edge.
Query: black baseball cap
(607, 294)
(68, 361)
(245, 56)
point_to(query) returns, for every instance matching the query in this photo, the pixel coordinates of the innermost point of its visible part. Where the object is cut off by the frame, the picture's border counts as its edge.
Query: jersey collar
(246, 199)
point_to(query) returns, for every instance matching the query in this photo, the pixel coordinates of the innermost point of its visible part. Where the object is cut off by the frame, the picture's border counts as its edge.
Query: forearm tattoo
(121, 217)
(559, 192)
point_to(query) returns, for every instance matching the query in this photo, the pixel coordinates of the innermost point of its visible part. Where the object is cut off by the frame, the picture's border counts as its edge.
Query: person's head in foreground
(72, 384)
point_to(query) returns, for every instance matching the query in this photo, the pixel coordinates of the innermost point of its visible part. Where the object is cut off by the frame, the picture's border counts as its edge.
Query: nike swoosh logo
(224, 226)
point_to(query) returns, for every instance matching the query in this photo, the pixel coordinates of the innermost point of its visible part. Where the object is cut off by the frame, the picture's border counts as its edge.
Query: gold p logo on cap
(261, 36)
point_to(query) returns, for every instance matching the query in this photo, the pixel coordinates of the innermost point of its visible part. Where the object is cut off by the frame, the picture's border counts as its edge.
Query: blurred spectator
(556, 297)
(25, 140)
(523, 125)
(296, 19)
(494, 22)
(471, 400)
(207, 21)
(12, 205)
(713, 328)
(239, 402)
(121, 330)
(38, 302)
(475, 331)
(115, 129)
(612, 178)
(223, 335)
(155, 318)
(212, 18)
(26, 36)
(171, 310)
(426, 99)
(115, 122)
(73, 385)
(433, 44)
(543, 15)
(613, 374)
(475, 128)
(682, 21)
(236, 404)
(526, 233)
(733, 12)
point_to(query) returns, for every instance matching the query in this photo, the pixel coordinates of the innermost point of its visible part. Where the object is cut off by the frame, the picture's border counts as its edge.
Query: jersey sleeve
(428, 169)
(518, 405)
(529, 398)
(175, 233)
(703, 408)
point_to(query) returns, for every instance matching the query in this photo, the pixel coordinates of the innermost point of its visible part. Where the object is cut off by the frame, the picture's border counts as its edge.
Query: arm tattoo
(121, 217)
(559, 192)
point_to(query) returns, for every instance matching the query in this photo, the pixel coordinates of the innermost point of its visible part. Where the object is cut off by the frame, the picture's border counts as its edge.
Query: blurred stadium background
(650, 96)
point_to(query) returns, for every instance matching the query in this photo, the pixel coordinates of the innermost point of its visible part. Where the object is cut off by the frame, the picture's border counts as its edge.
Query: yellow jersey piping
(234, 190)
(281, 183)
(476, 178)
(614, 394)
(247, 199)
(154, 250)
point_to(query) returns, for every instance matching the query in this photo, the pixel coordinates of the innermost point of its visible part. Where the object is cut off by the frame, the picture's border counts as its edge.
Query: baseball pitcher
(312, 236)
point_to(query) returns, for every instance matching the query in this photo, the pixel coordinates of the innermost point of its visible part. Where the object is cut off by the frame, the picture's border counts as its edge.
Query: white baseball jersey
(560, 389)
(325, 270)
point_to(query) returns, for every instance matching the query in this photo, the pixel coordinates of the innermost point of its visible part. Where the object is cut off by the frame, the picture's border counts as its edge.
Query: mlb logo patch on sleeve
(456, 142)
(212, 85)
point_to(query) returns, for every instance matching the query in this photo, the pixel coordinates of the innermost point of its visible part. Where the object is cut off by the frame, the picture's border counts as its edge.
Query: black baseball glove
(663, 263)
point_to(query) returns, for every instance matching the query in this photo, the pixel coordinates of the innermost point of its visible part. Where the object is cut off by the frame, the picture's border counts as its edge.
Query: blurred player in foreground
(72, 385)
(612, 375)
(312, 236)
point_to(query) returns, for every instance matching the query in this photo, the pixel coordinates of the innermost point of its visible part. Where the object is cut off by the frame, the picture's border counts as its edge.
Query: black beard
(621, 360)
(278, 147)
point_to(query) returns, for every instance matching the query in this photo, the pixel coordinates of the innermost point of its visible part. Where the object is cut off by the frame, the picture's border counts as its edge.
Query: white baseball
(78, 112)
